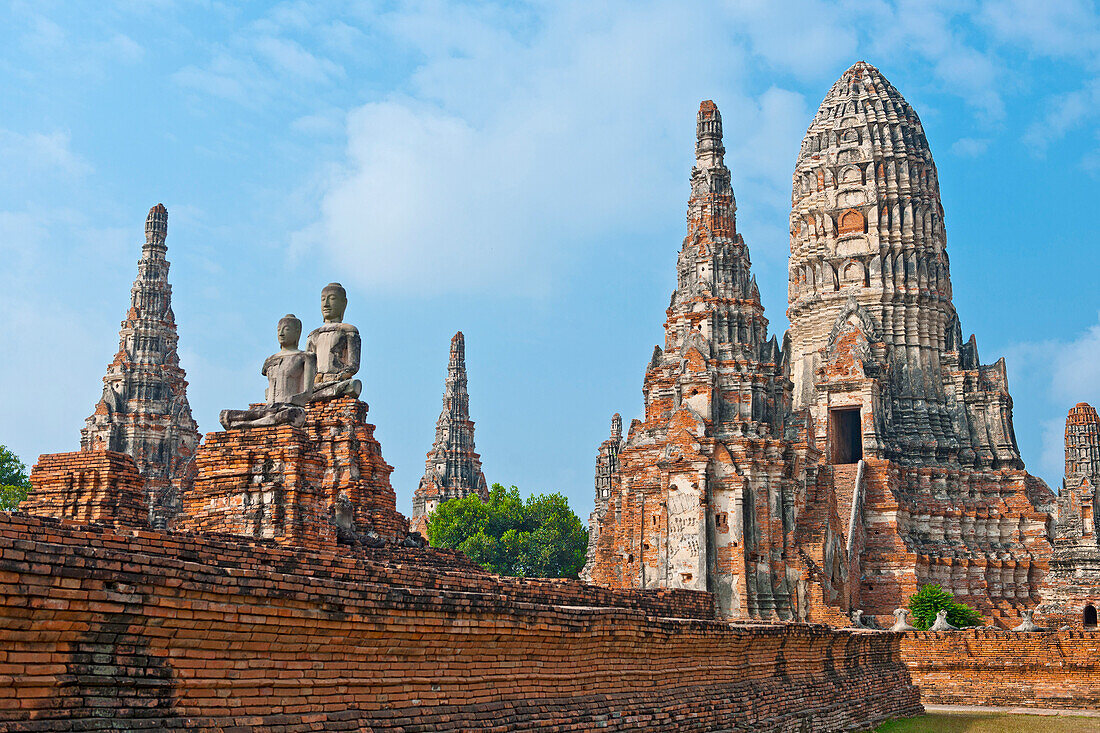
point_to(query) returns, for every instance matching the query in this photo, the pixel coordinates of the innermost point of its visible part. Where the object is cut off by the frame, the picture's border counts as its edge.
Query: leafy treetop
(539, 538)
(13, 480)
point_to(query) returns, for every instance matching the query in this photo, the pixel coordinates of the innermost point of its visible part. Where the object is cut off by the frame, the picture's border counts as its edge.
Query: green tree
(13, 480)
(539, 538)
(931, 599)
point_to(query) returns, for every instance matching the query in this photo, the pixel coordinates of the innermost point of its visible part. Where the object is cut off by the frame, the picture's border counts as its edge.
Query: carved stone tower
(453, 468)
(708, 486)
(144, 410)
(876, 348)
(607, 481)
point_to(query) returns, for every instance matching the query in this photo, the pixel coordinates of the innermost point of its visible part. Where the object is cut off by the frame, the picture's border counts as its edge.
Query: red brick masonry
(1055, 669)
(108, 629)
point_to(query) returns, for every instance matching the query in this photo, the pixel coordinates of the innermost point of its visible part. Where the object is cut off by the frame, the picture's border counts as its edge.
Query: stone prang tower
(453, 468)
(144, 410)
(607, 481)
(708, 489)
(876, 349)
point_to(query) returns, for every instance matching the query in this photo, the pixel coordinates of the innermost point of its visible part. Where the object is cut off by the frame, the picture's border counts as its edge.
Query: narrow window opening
(1090, 616)
(845, 436)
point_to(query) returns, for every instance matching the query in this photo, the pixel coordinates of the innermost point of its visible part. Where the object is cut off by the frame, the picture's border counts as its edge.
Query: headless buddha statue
(336, 345)
(290, 375)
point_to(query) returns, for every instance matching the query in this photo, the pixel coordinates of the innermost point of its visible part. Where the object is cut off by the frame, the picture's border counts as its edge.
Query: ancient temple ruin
(144, 410)
(874, 452)
(708, 487)
(1071, 590)
(453, 467)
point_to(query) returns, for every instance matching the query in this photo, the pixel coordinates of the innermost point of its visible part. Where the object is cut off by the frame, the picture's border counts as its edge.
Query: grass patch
(991, 723)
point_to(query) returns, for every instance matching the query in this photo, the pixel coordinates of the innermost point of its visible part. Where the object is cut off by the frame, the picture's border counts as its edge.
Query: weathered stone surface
(337, 346)
(607, 480)
(453, 467)
(709, 489)
(290, 375)
(877, 356)
(144, 410)
(1071, 590)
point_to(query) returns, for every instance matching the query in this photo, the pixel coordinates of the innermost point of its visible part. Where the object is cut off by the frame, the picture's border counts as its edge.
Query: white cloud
(38, 152)
(970, 147)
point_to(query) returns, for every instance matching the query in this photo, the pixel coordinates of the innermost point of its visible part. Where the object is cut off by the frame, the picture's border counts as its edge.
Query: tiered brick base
(1003, 668)
(977, 534)
(352, 465)
(110, 630)
(88, 486)
(296, 485)
(262, 483)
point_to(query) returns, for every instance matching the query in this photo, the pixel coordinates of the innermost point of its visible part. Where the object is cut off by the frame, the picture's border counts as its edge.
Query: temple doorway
(845, 435)
(1090, 616)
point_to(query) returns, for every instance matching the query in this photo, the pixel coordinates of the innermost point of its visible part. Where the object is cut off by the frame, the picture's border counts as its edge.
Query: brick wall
(1056, 669)
(126, 628)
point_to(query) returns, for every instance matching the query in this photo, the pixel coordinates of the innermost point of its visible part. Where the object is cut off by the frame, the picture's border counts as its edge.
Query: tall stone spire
(873, 326)
(452, 469)
(692, 504)
(144, 410)
(607, 481)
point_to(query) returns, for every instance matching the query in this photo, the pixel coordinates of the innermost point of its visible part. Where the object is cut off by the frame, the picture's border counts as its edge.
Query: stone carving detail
(290, 374)
(453, 468)
(1028, 624)
(941, 623)
(708, 493)
(867, 227)
(901, 623)
(144, 411)
(859, 623)
(337, 347)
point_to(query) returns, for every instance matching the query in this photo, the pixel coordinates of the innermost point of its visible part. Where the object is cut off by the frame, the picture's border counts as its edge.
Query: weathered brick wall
(88, 486)
(120, 629)
(1055, 669)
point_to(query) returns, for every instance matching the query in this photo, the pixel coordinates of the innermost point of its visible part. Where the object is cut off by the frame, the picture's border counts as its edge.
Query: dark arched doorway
(1090, 616)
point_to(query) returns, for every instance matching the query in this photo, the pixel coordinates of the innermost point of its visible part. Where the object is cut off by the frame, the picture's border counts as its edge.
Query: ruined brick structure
(88, 486)
(709, 488)
(453, 467)
(121, 629)
(873, 453)
(1071, 590)
(877, 357)
(308, 486)
(607, 480)
(144, 410)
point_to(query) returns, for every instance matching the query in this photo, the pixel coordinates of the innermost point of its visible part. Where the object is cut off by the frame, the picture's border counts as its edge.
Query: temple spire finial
(156, 224)
(708, 136)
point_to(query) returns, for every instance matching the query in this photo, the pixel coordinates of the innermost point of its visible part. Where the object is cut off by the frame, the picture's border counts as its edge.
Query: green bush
(539, 538)
(931, 599)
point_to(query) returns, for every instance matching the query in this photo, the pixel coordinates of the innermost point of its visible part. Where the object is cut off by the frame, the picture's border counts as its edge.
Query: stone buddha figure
(337, 346)
(290, 375)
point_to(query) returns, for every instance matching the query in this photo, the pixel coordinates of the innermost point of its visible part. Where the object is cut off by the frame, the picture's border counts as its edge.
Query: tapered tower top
(708, 133)
(156, 224)
(458, 349)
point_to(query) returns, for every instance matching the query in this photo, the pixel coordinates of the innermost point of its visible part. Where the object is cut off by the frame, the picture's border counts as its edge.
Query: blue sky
(518, 171)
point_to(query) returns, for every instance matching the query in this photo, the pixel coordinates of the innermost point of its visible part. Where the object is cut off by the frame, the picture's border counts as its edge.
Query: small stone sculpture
(902, 622)
(859, 623)
(337, 347)
(1028, 624)
(941, 622)
(290, 374)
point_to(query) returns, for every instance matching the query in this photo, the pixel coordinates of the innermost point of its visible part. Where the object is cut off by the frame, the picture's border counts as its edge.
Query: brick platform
(130, 629)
